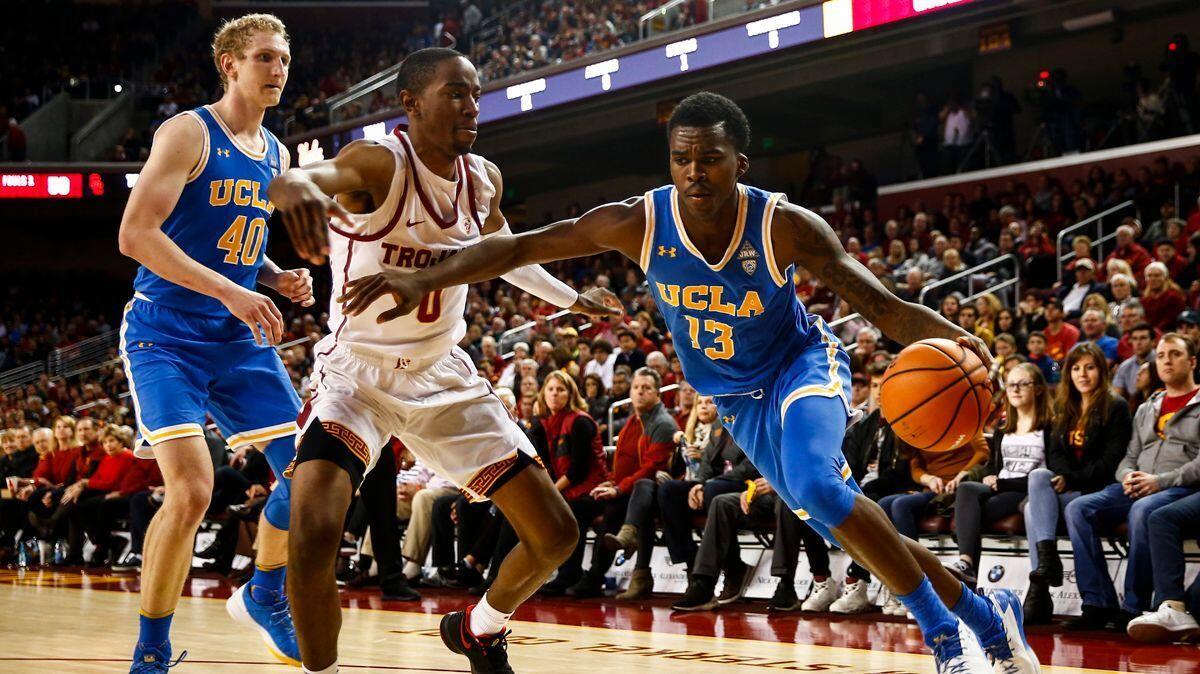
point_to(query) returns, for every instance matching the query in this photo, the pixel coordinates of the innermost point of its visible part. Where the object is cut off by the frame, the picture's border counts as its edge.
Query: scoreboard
(49, 184)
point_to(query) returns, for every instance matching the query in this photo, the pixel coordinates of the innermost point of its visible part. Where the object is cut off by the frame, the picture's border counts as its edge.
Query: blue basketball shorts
(183, 367)
(792, 431)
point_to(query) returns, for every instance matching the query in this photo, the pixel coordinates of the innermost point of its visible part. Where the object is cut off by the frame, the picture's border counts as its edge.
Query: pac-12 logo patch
(749, 257)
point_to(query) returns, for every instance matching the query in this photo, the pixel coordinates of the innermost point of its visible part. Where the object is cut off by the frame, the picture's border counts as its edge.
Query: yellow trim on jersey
(738, 230)
(202, 162)
(833, 389)
(768, 246)
(256, 156)
(173, 432)
(648, 236)
(262, 434)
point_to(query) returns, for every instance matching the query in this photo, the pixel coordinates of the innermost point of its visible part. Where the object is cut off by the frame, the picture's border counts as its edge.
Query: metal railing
(1098, 243)
(971, 276)
(20, 376)
(628, 401)
(83, 355)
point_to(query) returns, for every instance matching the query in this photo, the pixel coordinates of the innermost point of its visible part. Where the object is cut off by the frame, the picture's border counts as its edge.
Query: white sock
(486, 620)
(412, 570)
(331, 669)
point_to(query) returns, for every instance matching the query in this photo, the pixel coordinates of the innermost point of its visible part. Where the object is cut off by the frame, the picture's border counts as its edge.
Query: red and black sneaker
(488, 655)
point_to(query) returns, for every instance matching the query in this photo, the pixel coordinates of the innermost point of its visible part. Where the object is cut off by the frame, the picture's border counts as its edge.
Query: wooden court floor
(83, 622)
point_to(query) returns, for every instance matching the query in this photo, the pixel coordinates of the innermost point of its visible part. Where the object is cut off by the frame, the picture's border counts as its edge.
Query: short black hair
(416, 70)
(706, 109)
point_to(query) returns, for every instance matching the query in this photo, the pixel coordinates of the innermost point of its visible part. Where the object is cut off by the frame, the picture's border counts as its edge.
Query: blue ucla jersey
(735, 324)
(221, 217)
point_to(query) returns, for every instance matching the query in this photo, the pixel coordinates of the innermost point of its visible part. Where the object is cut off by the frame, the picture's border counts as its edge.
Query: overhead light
(1090, 21)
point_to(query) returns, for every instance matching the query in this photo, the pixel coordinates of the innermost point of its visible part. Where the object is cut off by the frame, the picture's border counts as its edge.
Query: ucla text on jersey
(741, 315)
(220, 219)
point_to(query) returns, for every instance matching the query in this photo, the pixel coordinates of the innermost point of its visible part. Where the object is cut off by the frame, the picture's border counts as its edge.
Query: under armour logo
(222, 152)
(663, 250)
(729, 418)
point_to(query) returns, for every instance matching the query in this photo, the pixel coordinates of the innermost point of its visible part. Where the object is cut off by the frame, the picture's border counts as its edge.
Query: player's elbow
(127, 242)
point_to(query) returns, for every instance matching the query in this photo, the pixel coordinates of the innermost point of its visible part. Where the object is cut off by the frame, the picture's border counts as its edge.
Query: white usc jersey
(423, 220)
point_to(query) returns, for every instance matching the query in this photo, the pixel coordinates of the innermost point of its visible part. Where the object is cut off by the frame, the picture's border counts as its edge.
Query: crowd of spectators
(1088, 371)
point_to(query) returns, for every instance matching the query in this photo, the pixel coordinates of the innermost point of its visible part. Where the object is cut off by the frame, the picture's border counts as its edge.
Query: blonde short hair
(234, 34)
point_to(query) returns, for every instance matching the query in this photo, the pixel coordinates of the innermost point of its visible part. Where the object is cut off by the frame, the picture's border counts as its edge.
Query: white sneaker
(1166, 625)
(893, 606)
(822, 596)
(1012, 655)
(853, 599)
(959, 653)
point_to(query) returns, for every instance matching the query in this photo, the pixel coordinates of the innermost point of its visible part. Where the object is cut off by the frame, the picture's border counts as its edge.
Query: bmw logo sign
(996, 573)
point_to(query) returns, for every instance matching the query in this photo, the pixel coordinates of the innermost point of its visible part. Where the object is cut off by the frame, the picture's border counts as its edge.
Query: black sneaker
(964, 571)
(784, 599)
(558, 586)
(1091, 618)
(132, 561)
(463, 575)
(485, 656)
(699, 596)
(587, 588)
(398, 589)
(735, 584)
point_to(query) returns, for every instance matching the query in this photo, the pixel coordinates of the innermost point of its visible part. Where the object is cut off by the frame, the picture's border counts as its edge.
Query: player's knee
(277, 511)
(188, 501)
(556, 538)
(826, 497)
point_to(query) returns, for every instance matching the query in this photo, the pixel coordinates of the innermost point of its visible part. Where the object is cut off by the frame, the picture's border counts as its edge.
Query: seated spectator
(56, 469)
(417, 487)
(1082, 247)
(879, 462)
(685, 402)
(630, 355)
(95, 503)
(1130, 314)
(995, 490)
(1130, 251)
(939, 474)
(602, 362)
(570, 438)
(1160, 466)
(1072, 296)
(1124, 382)
(1162, 299)
(1100, 303)
(1174, 620)
(1036, 353)
(720, 552)
(1122, 287)
(19, 457)
(1092, 324)
(949, 305)
(714, 465)
(644, 448)
(1060, 335)
(1188, 325)
(1166, 253)
(968, 319)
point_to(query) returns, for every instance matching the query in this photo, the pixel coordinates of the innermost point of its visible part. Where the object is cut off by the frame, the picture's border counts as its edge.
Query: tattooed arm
(802, 237)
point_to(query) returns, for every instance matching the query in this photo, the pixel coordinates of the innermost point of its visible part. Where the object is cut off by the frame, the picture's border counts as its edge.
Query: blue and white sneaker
(958, 652)
(273, 622)
(1012, 654)
(153, 658)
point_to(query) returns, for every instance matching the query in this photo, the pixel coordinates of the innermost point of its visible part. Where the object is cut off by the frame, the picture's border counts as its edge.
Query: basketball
(935, 395)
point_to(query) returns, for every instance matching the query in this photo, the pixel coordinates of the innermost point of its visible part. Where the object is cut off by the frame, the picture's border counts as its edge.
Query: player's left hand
(597, 302)
(978, 346)
(361, 293)
(294, 284)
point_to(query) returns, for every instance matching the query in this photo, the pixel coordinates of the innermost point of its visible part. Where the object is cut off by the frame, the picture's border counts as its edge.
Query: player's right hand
(361, 293)
(306, 211)
(258, 312)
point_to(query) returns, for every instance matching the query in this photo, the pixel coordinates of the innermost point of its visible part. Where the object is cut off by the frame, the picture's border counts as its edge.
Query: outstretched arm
(618, 226)
(304, 195)
(803, 237)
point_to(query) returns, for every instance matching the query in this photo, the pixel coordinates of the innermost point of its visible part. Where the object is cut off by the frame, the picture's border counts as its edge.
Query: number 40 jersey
(220, 219)
(423, 220)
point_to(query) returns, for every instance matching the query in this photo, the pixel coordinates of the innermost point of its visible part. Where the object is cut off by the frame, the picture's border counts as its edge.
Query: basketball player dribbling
(196, 339)
(718, 256)
(375, 379)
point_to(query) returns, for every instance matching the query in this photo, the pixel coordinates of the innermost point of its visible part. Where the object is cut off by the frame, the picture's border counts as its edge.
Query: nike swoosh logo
(414, 223)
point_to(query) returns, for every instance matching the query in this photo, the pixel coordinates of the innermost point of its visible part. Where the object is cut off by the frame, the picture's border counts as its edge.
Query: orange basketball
(935, 395)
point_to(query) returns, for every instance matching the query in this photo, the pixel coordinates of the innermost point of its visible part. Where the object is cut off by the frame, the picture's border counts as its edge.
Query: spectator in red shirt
(95, 503)
(1060, 336)
(1163, 299)
(91, 450)
(1037, 242)
(1166, 252)
(1129, 250)
(644, 448)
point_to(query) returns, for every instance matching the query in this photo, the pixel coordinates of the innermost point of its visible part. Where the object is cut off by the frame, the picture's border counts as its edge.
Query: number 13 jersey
(424, 220)
(738, 322)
